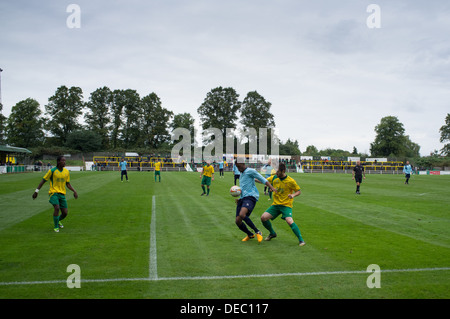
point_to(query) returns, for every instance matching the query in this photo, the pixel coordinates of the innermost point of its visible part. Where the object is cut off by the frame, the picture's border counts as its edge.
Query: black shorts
(247, 202)
(123, 173)
(407, 175)
(358, 179)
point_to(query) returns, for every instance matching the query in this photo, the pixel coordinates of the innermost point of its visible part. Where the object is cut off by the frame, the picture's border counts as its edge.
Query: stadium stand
(372, 167)
(137, 163)
(293, 164)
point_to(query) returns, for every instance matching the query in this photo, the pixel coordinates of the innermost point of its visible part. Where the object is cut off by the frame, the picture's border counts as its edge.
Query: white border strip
(319, 273)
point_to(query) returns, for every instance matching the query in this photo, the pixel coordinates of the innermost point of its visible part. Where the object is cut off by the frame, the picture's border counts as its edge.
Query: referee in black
(358, 175)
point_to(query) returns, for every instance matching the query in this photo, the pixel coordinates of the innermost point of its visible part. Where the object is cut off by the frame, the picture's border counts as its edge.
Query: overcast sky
(330, 78)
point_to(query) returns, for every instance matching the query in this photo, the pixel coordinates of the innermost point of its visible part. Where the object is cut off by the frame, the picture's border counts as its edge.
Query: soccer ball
(235, 191)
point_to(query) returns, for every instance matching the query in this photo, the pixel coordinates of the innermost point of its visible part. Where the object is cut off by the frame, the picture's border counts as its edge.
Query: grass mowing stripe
(18, 206)
(395, 220)
(386, 203)
(153, 263)
(202, 232)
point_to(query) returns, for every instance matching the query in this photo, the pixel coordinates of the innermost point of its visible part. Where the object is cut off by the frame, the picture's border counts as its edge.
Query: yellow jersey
(208, 171)
(58, 180)
(157, 166)
(284, 187)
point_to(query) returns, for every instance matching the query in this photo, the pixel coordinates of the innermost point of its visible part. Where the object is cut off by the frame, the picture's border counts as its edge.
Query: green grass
(108, 234)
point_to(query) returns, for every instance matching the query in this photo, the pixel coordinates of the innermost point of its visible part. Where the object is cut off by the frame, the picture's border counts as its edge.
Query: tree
(63, 110)
(131, 111)
(219, 110)
(154, 122)
(411, 149)
(3, 120)
(98, 118)
(391, 140)
(290, 148)
(24, 128)
(117, 105)
(255, 113)
(125, 109)
(184, 120)
(445, 136)
(311, 150)
(335, 153)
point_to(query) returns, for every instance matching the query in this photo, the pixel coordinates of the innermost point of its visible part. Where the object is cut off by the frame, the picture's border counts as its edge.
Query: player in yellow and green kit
(158, 171)
(59, 178)
(207, 176)
(287, 188)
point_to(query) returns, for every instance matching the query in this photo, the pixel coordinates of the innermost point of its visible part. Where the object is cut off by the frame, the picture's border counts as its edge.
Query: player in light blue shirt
(407, 169)
(123, 169)
(247, 182)
(248, 199)
(236, 173)
(221, 169)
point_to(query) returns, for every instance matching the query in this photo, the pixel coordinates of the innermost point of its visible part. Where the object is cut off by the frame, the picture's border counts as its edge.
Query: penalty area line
(156, 278)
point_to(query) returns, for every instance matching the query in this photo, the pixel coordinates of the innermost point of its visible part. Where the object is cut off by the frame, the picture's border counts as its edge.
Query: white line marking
(296, 274)
(153, 264)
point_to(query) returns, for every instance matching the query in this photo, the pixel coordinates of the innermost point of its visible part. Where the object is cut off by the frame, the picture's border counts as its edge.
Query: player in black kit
(358, 175)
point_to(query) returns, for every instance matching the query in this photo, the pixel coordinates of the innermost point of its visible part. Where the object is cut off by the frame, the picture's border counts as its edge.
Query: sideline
(319, 273)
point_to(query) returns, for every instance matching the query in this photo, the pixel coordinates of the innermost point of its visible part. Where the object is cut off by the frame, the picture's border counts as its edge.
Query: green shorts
(276, 210)
(206, 180)
(158, 173)
(58, 199)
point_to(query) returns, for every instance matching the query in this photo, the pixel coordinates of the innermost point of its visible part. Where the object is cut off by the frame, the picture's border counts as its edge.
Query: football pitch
(141, 239)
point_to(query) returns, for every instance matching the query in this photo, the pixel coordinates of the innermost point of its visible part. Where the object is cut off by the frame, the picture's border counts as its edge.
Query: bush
(428, 162)
(84, 141)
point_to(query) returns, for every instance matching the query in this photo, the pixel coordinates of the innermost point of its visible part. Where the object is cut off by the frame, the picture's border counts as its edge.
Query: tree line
(123, 120)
